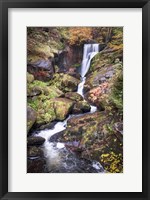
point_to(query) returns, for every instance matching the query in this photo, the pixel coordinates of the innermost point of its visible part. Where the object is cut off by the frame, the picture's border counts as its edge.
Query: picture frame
(5, 5)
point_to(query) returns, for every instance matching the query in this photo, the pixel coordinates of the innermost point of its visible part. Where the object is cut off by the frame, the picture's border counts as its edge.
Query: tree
(79, 35)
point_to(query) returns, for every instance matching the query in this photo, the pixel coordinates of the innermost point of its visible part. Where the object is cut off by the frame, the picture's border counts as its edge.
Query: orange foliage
(78, 35)
(96, 92)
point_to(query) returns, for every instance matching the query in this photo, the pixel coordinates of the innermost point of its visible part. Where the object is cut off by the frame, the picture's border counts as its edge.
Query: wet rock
(80, 120)
(47, 126)
(35, 141)
(33, 151)
(81, 107)
(36, 165)
(73, 96)
(31, 117)
(78, 128)
(56, 136)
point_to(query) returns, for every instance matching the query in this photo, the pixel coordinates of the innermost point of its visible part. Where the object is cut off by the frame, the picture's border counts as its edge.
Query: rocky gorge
(75, 100)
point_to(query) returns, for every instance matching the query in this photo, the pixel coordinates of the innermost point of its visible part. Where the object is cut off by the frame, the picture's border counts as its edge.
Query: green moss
(112, 162)
(46, 113)
(65, 82)
(62, 108)
(34, 104)
(30, 78)
(117, 91)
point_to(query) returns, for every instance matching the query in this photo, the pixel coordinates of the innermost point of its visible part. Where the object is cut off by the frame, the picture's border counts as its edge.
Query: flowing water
(58, 158)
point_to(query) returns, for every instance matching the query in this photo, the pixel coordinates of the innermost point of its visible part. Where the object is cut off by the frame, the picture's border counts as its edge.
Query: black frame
(4, 5)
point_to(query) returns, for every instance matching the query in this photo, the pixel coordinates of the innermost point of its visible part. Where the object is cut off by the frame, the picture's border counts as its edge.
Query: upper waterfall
(90, 50)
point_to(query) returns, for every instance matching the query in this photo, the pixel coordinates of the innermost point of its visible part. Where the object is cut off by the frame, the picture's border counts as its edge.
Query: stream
(58, 158)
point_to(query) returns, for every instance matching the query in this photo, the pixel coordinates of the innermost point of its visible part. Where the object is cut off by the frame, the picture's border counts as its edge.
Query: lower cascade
(58, 158)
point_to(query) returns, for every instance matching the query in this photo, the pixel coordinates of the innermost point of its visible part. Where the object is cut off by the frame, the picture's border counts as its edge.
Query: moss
(112, 162)
(77, 65)
(46, 113)
(30, 78)
(62, 108)
(46, 91)
(29, 125)
(65, 82)
(117, 91)
(34, 104)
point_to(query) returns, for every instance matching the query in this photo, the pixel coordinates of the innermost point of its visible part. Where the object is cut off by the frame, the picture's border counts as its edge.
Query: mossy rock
(77, 127)
(45, 113)
(62, 107)
(65, 82)
(39, 51)
(73, 96)
(81, 107)
(43, 88)
(31, 118)
(30, 78)
(51, 109)
(34, 151)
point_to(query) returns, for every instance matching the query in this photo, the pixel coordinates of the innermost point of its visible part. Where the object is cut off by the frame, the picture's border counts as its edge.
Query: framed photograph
(74, 99)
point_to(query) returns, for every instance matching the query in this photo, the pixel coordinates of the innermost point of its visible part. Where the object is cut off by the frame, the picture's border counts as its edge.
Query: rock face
(70, 56)
(31, 118)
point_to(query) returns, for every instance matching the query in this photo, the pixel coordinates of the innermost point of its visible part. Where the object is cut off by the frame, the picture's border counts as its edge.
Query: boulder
(73, 96)
(35, 140)
(30, 78)
(77, 127)
(62, 108)
(34, 151)
(51, 110)
(34, 91)
(65, 82)
(47, 92)
(31, 117)
(81, 107)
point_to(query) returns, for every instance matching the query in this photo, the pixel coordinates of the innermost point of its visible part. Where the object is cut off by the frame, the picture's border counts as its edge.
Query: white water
(90, 50)
(53, 151)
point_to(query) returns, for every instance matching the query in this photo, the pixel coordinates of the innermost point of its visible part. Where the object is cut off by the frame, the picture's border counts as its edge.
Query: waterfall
(90, 50)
